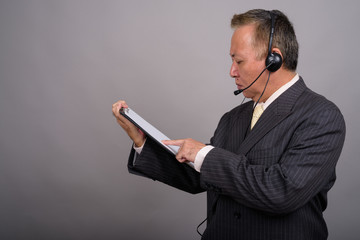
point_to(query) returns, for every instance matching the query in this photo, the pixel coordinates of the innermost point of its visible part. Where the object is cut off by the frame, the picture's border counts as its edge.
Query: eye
(238, 62)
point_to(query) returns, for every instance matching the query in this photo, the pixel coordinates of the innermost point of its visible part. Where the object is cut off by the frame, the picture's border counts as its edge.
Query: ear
(277, 50)
(274, 60)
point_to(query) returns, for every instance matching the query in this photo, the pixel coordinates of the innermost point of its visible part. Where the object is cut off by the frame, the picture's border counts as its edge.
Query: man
(266, 176)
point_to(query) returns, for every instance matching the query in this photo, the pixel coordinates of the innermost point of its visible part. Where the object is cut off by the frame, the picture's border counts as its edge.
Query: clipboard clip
(124, 110)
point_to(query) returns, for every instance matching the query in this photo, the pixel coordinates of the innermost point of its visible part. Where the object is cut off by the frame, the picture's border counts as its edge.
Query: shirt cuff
(139, 149)
(200, 156)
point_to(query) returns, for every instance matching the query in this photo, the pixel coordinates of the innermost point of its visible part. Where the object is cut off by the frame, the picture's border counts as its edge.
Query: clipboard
(148, 129)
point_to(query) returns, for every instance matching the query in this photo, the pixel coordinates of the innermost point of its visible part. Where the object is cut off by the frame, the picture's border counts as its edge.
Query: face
(245, 66)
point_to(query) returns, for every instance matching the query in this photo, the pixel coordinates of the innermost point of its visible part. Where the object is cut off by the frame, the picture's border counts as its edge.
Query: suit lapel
(273, 115)
(239, 128)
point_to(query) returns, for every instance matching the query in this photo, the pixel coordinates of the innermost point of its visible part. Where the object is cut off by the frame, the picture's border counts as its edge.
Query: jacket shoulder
(316, 102)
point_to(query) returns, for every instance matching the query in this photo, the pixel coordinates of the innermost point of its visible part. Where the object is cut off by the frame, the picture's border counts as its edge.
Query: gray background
(63, 161)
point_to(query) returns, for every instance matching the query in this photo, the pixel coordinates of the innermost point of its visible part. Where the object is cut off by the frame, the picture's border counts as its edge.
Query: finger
(122, 103)
(119, 117)
(141, 132)
(115, 109)
(183, 160)
(117, 106)
(177, 142)
(180, 157)
(124, 123)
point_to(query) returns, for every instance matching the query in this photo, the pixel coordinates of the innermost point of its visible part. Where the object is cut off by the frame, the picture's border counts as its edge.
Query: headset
(273, 60)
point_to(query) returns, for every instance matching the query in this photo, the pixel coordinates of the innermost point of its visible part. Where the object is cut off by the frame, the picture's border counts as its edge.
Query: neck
(276, 81)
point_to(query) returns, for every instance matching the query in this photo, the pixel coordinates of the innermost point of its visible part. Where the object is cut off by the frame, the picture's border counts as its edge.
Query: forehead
(242, 41)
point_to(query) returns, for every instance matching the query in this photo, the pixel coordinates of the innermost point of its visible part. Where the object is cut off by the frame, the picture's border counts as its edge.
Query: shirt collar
(280, 91)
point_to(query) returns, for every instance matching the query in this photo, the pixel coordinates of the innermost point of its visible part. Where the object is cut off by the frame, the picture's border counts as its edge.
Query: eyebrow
(234, 55)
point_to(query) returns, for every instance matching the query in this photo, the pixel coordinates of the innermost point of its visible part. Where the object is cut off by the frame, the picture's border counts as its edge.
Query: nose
(234, 70)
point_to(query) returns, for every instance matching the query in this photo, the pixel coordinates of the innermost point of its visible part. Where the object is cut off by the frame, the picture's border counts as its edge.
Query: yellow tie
(256, 114)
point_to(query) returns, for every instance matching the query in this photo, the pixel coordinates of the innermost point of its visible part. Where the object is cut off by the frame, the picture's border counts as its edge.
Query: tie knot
(256, 115)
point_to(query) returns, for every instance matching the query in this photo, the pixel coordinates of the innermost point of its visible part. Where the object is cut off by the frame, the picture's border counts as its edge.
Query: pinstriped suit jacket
(267, 183)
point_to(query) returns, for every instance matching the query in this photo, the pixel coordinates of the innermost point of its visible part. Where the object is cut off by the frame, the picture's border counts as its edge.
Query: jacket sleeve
(156, 163)
(304, 169)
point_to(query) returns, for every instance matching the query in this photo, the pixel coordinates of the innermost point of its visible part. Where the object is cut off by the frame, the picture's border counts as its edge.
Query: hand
(134, 133)
(188, 149)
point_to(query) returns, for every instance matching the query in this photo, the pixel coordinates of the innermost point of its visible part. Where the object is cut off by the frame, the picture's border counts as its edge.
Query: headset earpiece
(273, 61)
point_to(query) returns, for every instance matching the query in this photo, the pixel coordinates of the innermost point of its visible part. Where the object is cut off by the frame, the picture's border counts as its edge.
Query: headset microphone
(237, 92)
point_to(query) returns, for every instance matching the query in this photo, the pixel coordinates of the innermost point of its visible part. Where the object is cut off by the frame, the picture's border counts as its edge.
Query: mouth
(239, 86)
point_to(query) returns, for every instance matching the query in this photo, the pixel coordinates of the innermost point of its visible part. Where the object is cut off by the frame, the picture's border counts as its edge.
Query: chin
(247, 95)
